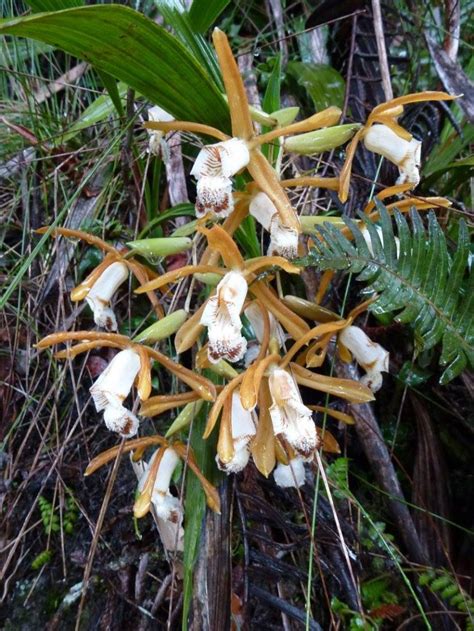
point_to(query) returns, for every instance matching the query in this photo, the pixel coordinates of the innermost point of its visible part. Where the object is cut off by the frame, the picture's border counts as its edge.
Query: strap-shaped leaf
(423, 285)
(132, 48)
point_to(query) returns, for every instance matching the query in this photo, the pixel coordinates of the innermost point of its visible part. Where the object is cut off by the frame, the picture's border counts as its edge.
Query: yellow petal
(129, 445)
(325, 118)
(328, 442)
(65, 336)
(266, 178)
(196, 128)
(81, 291)
(178, 274)
(295, 326)
(216, 409)
(225, 444)
(387, 192)
(84, 236)
(212, 496)
(200, 384)
(317, 352)
(331, 183)
(260, 262)
(415, 97)
(234, 86)
(188, 334)
(348, 389)
(144, 374)
(161, 403)
(324, 283)
(340, 416)
(345, 175)
(393, 125)
(262, 446)
(344, 353)
(143, 502)
(252, 380)
(83, 347)
(317, 331)
(219, 240)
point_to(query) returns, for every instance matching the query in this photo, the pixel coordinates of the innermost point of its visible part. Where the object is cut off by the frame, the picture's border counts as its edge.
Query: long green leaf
(132, 48)
(203, 13)
(172, 11)
(53, 5)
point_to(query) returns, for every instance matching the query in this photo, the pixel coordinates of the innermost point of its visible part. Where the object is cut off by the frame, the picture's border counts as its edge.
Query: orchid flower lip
(222, 159)
(372, 357)
(405, 154)
(290, 417)
(214, 196)
(243, 430)
(111, 389)
(100, 294)
(222, 317)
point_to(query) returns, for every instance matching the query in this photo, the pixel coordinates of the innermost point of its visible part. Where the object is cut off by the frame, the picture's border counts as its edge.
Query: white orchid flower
(243, 430)
(283, 240)
(156, 145)
(406, 154)
(168, 509)
(372, 357)
(100, 294)
(213, 168)
(221, 315)
(111, 389)
(291, 474)
(290, 417)
(254, 315)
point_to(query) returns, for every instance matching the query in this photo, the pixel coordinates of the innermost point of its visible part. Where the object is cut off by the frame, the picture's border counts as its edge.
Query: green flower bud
(321, 139)
(152, 248)
(184, 418)
(208, 278)
(186, 229)
(163, 328)
(285, 116)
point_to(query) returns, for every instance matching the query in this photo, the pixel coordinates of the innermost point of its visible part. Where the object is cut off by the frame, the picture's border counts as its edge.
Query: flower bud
(320, 140)
(163, 328)
(152, 248)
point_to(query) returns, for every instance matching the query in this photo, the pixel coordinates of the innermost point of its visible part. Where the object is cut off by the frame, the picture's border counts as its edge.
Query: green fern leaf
(416, 278)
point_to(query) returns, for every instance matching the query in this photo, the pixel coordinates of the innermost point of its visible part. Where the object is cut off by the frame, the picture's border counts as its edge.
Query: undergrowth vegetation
(237, 315)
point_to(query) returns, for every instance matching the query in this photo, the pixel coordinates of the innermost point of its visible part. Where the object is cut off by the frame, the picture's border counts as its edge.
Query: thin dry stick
(382, 51)
(98, 528)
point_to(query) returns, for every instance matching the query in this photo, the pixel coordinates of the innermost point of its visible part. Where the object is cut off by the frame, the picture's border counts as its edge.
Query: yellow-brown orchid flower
(219, 162)
(383, 135)
(221, 313)
(132, 364)
(102, 282)
(145, 498)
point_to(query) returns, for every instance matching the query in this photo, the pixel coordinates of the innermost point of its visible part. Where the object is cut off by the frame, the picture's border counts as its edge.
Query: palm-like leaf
(426, 286)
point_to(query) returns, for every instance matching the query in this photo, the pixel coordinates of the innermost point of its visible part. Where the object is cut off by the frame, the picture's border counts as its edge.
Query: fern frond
(426, 286)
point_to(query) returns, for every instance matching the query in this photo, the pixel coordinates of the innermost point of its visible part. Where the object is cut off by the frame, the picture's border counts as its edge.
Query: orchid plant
(245, 380)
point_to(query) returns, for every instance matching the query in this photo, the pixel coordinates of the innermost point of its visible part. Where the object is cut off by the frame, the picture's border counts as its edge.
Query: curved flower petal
(283, 239)
(111, 389)
(222, 159)
(372, 357)
(242, 431)
(222, 317)
(406, 154)
(290, 417)
(100, 294)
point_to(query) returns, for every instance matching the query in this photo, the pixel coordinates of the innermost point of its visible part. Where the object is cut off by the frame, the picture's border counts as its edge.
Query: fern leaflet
(414, 276)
